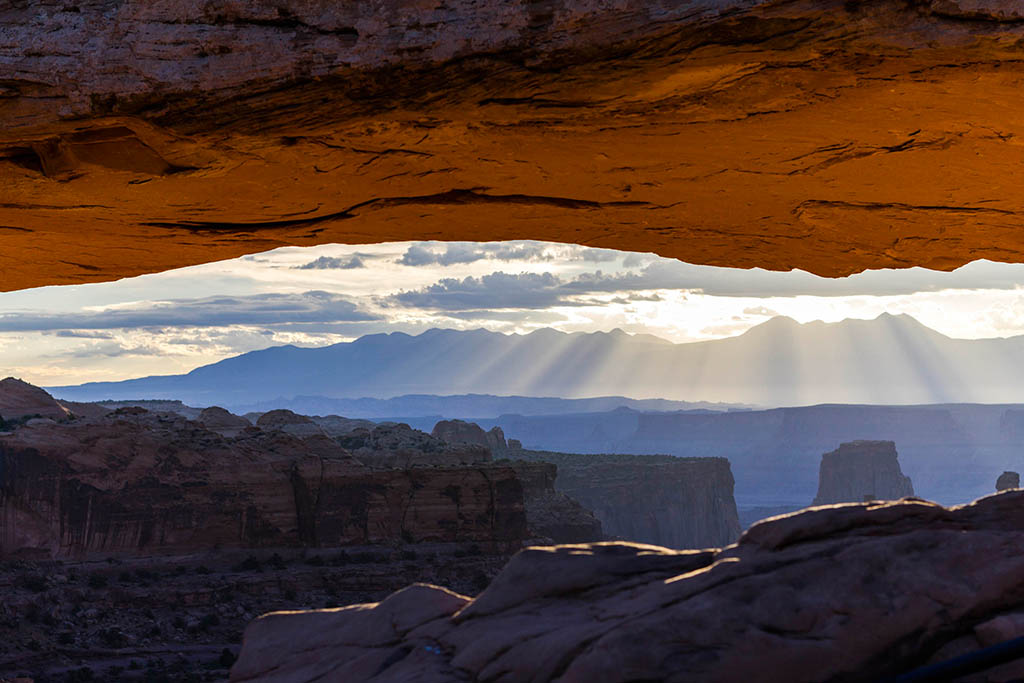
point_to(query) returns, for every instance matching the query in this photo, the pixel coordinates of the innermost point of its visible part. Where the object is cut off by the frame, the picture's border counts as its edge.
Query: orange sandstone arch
(811, 134)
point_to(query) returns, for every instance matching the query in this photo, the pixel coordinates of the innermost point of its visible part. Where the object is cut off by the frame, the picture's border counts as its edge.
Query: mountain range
(893, 359)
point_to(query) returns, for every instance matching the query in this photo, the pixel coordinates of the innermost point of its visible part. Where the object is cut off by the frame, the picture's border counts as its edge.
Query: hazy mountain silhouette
(890, 360)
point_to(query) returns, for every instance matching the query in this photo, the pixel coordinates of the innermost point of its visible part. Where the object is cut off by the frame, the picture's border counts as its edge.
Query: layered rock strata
(675, 502)
(919, 583)
(138, 482)
(861, 471)
(353, 122)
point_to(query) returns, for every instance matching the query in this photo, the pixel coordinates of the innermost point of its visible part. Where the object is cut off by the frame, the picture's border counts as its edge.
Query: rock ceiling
(830, 136)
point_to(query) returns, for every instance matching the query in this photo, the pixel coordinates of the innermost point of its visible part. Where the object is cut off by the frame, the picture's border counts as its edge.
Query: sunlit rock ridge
(817, 134)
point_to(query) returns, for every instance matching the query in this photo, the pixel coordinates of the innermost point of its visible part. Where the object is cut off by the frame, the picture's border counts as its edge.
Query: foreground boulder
(854, 592)
(861, 471)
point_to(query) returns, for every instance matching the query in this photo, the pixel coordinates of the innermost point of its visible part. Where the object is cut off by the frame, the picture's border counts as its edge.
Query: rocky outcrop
(1008, 480)
(20, 400)
(460, 431)
(219, 420)
(862, 592)
(861, 471)
(552, 514)
(675, 502)
(773, 101)
(138, 482)
(335, 425)
(290, 423)
(401, 446)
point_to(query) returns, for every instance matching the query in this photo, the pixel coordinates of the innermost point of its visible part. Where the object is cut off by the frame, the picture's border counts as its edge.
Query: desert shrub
(97, 581)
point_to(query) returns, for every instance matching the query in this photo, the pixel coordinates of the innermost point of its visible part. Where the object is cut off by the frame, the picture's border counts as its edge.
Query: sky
(172, 322)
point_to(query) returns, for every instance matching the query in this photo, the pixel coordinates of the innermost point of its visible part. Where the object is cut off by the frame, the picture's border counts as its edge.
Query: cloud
(217, 311)
(760, 310)
(334, 263)
(453, 253)
(495, 291)
(81, 334)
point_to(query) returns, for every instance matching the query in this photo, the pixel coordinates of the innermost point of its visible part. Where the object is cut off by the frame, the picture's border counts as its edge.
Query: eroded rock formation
(139, 482)
(20, 400)
(354, 122)
(460, 431)
(1008, 480)
(290, 423)
(919, 583)
(219, 420)
(860, 471)
(399, 445)
(674, 502)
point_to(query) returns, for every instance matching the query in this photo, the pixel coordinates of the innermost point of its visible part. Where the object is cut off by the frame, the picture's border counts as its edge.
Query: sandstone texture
(860, 471)
(139, 482)
(1008, 480)
(19, 400)
(399, 445)
(827, 135)
(669, 501)
(858, 592)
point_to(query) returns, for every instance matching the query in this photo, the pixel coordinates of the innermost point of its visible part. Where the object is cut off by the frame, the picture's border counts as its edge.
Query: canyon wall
(669, 501)
(861, 471)
(550, 513)
(137, 482)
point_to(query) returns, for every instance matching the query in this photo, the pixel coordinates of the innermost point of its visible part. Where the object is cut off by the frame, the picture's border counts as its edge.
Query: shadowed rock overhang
(823, 135)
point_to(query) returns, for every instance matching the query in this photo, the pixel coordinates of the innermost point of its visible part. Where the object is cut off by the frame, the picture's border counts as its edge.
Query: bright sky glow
(175, 321)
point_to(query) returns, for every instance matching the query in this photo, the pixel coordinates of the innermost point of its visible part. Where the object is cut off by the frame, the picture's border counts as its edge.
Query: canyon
(826, 135)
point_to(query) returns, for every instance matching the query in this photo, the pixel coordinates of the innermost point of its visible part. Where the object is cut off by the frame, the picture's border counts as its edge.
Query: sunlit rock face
(858, 592)
(826, 135)
(862, 471)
